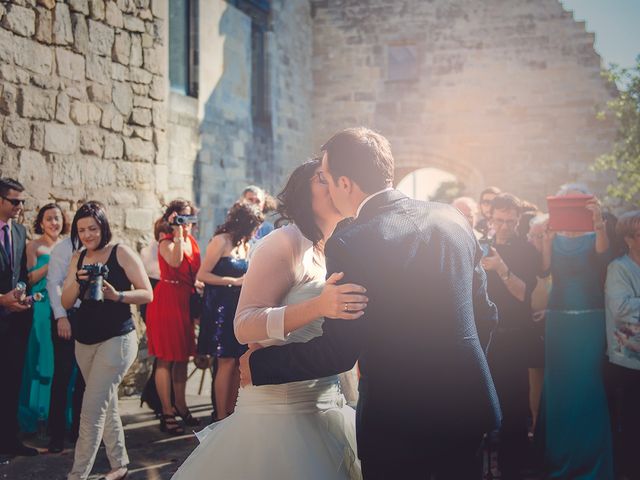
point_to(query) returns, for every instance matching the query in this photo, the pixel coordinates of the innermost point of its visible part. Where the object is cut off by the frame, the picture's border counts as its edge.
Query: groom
(426, 395)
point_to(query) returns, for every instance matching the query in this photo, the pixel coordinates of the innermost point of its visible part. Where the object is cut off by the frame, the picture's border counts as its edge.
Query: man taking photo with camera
(512, 265)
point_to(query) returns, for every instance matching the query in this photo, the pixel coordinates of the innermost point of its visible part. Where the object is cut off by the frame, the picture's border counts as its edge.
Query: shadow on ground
(153, 455)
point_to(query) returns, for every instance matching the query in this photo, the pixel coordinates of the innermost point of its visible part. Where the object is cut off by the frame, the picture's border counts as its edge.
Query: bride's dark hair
(295, 200)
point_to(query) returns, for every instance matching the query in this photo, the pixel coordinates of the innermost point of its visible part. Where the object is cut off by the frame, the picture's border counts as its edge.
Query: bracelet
(177, 239)
(506, 276)
(120, 297)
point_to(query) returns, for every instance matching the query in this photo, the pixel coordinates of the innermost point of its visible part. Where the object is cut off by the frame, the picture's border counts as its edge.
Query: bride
(300, 430)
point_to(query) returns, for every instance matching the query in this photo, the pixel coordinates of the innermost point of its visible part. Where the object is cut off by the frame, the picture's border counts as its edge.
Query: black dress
(219, 308)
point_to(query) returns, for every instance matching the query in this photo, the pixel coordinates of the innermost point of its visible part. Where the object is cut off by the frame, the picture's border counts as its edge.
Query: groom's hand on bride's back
(346, 302)
(245, 367)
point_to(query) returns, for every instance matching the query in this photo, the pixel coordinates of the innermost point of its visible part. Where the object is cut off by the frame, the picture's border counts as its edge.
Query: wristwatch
(120, 297)
(506, 276)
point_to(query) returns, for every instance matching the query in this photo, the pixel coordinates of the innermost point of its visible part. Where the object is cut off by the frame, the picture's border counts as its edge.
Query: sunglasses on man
(14, 201)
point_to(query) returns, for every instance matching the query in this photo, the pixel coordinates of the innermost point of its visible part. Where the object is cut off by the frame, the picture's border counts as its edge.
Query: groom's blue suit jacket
(423, 370)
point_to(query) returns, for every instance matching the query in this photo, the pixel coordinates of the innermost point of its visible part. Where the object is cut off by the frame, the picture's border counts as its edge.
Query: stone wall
(233, 150)
(82, 109)
(500, 93)
(82, 92)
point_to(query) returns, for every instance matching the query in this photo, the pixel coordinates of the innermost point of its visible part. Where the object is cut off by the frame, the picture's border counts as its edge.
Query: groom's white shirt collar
(369, 198)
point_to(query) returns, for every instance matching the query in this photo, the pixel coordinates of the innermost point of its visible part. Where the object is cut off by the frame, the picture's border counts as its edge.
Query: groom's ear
(346, 184)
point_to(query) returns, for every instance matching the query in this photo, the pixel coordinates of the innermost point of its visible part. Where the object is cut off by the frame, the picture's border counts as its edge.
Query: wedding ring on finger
(346, 307)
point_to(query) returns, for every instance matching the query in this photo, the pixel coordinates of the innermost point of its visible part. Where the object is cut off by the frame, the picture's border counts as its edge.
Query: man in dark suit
(426, 395)
(15, 318)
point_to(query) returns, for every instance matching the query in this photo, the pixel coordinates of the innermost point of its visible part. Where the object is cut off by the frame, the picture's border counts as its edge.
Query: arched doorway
(431, 183)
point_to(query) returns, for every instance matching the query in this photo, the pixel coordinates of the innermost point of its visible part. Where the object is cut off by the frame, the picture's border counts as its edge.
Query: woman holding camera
(169, 327)
(106, 340)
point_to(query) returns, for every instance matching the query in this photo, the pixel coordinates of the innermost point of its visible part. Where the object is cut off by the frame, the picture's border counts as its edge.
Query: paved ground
(153, 454)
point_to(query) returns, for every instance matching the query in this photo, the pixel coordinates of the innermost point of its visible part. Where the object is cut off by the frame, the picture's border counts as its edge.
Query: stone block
(63, 108)
(60, 138)
(146, 133)
(70, 65)
(133, 24)
(145, 14)
(114, 15)
(139, 75)
(94, 113)
(44, 26)
(99, 69)
(33, 56)
(152, 61)
(47, 3)
(122, 48)
(8, 73)
(8, 99)
(147, 40)
(139, 218)
(127, 6)
(141, 116)
(20, 20)
(138, 150)
(122, 97)
(113, 146)
(140, 89)
(45, 81)
(91, 141)
(81, 37)
(76, 91)
(119, 73)
(136, 59)
(23, 76)
(62, 31)
(37, 103)
(142, 101)
(97, 9)
(111, 119)
(79, 113)
(7, 46)
(37, 136)
(101, 38)
(159, 115)
(81, 6)
(99, 93)
(34, 172)
(17, 132)
(156, 8)
(65, 172)
(157, 91)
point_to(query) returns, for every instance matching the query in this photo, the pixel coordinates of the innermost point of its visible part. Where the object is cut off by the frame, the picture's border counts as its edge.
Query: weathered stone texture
(496, 94)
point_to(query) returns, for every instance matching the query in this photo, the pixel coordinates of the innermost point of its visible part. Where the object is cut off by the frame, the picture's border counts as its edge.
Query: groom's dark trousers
(426, 395)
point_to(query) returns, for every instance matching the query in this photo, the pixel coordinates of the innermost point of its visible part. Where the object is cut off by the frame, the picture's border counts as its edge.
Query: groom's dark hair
(362, 155)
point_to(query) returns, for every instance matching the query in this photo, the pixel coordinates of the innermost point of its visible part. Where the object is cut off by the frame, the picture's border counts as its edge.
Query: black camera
(183, 220)
(97, 274)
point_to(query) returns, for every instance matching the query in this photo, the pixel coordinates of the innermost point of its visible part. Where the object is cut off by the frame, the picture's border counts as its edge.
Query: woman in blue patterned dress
(577, 436)
(222, 272)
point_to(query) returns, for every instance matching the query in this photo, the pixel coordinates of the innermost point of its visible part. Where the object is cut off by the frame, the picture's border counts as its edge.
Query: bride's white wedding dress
(299, 430)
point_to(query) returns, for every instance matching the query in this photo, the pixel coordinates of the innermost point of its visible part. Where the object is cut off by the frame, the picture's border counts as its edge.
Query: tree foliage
(448, 191)
(624, 158)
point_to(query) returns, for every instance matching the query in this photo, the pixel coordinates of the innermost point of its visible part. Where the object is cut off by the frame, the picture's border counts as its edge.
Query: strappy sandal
(187, 418)
(169, 424)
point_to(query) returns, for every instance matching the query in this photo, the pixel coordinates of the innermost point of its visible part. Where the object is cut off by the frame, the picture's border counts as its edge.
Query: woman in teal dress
(576, 430)
(35, 391)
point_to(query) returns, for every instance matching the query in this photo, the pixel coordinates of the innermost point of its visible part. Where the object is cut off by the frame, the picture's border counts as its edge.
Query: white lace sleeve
(271, 275)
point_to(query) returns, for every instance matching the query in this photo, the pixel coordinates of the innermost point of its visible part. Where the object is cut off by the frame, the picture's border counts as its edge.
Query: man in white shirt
(63, 345)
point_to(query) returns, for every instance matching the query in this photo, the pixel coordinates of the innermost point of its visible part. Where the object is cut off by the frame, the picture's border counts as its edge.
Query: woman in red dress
(170, 331)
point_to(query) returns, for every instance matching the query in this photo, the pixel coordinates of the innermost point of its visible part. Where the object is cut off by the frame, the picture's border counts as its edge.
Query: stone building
(135, 102)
